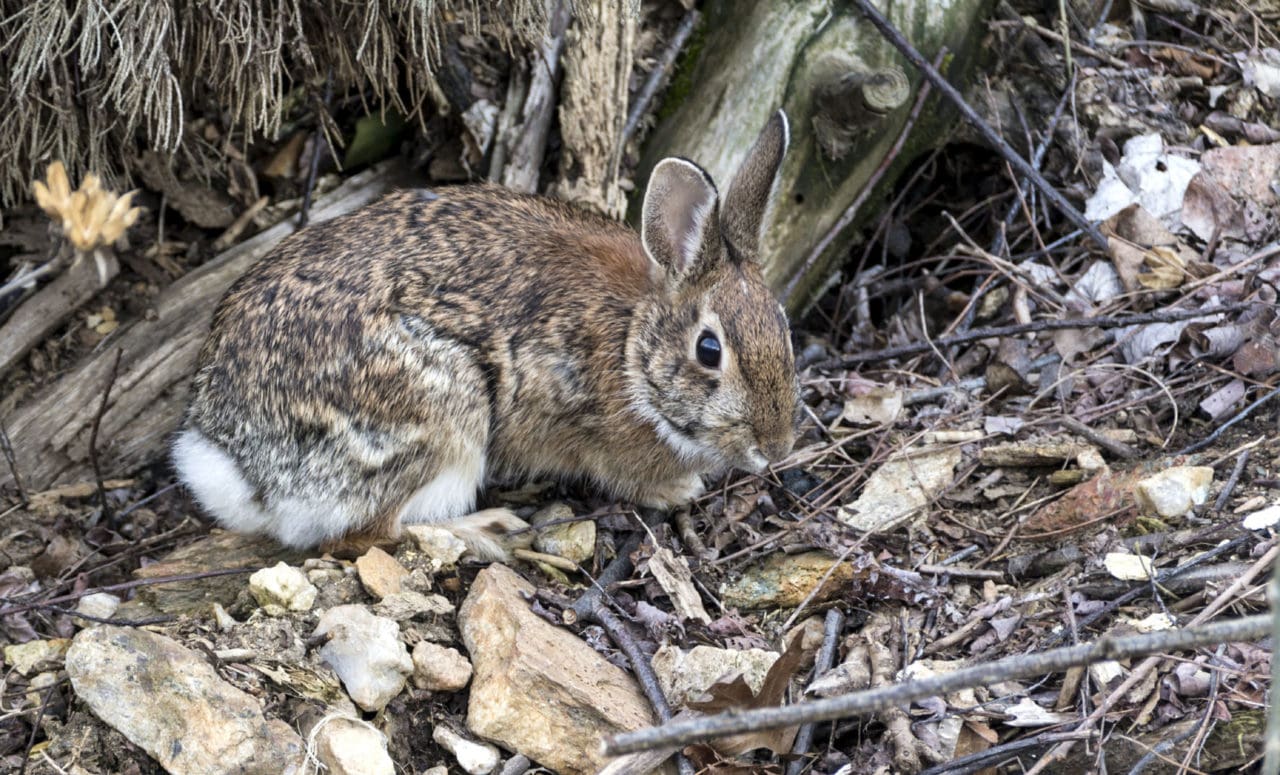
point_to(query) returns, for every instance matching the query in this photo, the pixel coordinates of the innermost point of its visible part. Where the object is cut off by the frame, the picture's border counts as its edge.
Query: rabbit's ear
(680, 220)
(749, 195)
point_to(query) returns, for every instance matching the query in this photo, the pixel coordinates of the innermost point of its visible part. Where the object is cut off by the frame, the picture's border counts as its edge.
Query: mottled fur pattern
(381, 367)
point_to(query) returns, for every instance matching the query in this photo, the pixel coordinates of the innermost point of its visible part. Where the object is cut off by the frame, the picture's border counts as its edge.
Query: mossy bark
(750, 58)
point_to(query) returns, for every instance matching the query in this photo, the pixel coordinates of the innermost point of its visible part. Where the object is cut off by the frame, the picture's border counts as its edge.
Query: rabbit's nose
(777, 450)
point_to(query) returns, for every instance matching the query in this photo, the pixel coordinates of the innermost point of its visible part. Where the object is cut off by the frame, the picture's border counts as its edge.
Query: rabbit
(380, 368)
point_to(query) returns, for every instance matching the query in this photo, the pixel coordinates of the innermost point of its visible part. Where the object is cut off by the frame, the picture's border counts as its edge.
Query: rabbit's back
(365, 355)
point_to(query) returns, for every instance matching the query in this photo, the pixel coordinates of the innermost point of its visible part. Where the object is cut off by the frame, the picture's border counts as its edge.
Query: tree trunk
(848, 94)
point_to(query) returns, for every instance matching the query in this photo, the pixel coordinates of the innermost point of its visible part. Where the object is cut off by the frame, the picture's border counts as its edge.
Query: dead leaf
(675, 578)
(735, 695)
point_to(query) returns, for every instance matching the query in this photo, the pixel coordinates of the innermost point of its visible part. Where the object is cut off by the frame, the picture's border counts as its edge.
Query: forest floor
(981, 476)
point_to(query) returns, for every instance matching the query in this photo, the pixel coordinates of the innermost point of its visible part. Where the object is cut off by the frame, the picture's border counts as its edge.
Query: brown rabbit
(379, 368)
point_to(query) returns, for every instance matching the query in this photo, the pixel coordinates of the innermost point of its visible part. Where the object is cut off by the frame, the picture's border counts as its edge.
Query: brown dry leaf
(734, 695)
(1232, 195)
(1133, 234)
(1258, 357)
(1187, 63)
(1167, 269)
(1105, 495)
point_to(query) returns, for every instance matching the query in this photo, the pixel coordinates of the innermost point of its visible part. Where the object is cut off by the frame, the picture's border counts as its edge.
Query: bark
(841, 85)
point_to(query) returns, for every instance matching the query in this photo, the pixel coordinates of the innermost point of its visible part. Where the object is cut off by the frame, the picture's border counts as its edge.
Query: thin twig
(851, 211)
(18, 608)
(1232, 481)
(1212, 437)
(986, 759)
(1021, 666)
(35, 728)
(1168, 316)
(320, 137)
(1119, 449)
(93, 441)
(826, 658)
(593, 607)
(990, 135)
(661, 69)
(7, 448)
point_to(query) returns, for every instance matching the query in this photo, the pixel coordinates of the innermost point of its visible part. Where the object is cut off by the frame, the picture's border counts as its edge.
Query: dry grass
(87, 79)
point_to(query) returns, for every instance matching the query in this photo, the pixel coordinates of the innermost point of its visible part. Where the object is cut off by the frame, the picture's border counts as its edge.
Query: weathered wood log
(50, 434)
(848, 94)
(41, 314)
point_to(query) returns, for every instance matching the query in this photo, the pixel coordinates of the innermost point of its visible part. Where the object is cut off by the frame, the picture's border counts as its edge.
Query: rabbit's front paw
(676, 492)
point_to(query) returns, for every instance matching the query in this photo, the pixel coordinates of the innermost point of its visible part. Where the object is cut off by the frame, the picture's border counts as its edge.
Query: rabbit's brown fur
(382, 366)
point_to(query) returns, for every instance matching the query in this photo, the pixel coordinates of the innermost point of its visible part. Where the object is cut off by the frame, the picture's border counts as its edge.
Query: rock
(35, 656)
(408, 604)
(902, 486)
(439, 769)
(379, 572)
(475, 758)
(1174, 491)
(538, 689)
(574, 541)
(100, 605)
(437, 543)
(347, 746)
(283, 585)
(785, 581)
(684, 674)
(439, 669)
(366, 653)
(170, 702)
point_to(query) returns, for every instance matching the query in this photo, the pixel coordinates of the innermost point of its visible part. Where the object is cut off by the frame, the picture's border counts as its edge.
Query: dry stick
(851, 211)
(35, 728)
(93, 441)
(1232, 481)
(990, 135)
(976, 334)
(7, 448)
(1120, 450)
(1163, 577)
(1021, 666)
(592, 607)
(320, 136)
(985, 759)
(826, 658)
(1140, 673)
(661, 69)
(1212, 437)
(18, 608)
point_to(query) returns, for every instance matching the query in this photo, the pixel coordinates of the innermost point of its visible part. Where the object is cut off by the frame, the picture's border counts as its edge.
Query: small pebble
(380, 574)
(284, 586)
(475, 758)
(439, 669)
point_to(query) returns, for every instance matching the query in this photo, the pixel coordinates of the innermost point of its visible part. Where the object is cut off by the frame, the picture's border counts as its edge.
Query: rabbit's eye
(708, 350)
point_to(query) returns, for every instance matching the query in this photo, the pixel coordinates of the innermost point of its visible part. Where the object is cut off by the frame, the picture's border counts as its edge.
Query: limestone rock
(349, 747)
(475, 758)
(170, 702)
(684, 674)
(538, 689)
(366, 653)
(408, 604)
(439, 669)
(437, 543)
(380, 574)
(1174, 491)
(283, 585)
(100, 605)
(35, 656)
(574, 541)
